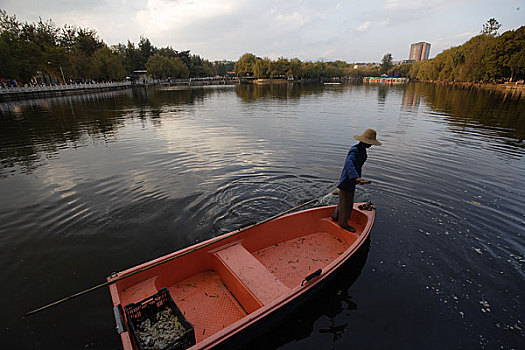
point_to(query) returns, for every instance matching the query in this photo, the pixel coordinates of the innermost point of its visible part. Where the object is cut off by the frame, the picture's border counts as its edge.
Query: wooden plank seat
(247, 278)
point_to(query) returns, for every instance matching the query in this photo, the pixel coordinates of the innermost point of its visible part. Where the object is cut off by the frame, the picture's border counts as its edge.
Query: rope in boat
(107, 283)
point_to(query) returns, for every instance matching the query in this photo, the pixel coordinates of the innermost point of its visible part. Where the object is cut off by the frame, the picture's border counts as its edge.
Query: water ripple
(94, 186)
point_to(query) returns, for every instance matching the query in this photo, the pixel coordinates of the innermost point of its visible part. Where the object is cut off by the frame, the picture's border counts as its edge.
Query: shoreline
(35, 92)
(508, 90)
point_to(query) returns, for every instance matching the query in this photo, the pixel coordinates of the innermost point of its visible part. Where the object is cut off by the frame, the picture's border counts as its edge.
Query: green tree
(295, 68)
(516, 64)
(244, 66)
(220, 69)
(415, 68)
(491, 27)
(164, 67)
(66, 37)
(185, 57)
(146, 50)
(363, 70)
(400, 70)
(107, 65)
(7, 65)
(386, 63)
(313, 70)
(200, 67)
(167, 52)
(130, 57)
(280, 68)
(180, 70)
(505, 58)
(474, 51)
(87, 41)
(25, 47)
(261, 68)
(158, 66)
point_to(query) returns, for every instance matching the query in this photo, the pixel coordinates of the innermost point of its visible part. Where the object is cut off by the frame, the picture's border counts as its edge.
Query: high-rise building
(419, 51)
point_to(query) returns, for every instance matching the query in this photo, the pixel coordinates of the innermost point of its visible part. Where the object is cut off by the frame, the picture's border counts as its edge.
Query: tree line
(250, 65)
(487, 57)
(76, 54)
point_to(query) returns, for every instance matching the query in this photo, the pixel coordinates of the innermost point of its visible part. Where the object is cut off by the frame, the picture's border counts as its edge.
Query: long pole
(107, 283)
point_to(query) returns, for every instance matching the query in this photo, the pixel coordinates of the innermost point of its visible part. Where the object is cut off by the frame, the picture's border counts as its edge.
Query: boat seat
(248, 279)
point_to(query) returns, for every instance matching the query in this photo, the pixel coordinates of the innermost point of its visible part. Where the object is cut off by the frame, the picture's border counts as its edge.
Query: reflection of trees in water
(156, 98)
(43, 126)
(331, 300)
(35, 128)
(253, 92)
(382, 91)
(32, 129)
(472, 109)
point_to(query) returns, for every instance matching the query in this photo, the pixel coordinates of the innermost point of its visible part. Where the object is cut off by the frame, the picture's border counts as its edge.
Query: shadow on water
(330, 301)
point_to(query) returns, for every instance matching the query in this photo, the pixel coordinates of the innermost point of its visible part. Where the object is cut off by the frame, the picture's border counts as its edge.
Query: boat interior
(226, 280)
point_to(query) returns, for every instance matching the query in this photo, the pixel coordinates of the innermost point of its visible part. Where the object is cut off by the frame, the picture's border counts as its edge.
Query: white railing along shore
(61, 87)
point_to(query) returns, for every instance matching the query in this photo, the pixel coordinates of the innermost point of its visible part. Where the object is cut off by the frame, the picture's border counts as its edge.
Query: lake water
(98, 183)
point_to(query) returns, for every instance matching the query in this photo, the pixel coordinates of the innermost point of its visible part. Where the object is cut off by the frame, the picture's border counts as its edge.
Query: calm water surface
(98, 183)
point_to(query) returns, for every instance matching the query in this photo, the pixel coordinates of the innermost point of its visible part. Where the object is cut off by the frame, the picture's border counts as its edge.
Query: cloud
(402, 5)
(226, 29)
(444, 43)
(364, 26)
(416, 5)
(161, 16)
(294, 20)
(398, 12)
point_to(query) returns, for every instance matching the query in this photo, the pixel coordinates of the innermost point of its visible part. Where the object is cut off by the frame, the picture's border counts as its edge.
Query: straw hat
(369, 137)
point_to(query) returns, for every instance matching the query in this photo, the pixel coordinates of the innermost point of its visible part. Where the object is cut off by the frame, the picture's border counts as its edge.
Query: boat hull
(256, 336)
(227, 286)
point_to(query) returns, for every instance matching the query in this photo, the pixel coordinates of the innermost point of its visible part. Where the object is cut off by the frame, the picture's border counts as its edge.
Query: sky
(352, 31)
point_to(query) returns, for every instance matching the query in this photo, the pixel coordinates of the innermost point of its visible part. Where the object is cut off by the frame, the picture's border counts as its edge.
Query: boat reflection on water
(330, 300)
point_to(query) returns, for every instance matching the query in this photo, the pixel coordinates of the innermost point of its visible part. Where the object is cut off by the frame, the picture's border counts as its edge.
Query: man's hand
(360, 181)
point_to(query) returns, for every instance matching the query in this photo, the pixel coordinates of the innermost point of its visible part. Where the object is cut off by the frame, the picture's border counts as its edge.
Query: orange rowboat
(228, 286)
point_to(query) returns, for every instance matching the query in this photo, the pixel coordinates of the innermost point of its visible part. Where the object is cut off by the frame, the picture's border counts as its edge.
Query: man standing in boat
(351, 176)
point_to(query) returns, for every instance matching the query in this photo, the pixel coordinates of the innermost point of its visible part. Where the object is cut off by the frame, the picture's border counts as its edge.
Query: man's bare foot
(348, 228)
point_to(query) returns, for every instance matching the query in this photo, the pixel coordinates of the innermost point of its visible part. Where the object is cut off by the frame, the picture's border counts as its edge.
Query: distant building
(419, 51)
(395, 63)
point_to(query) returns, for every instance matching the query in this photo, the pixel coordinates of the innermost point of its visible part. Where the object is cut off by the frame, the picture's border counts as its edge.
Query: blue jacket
(355, 159)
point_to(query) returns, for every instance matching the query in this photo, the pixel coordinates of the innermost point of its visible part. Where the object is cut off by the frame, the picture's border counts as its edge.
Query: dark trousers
(343, 211)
